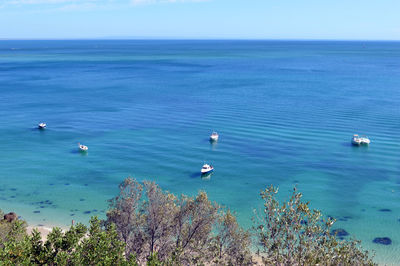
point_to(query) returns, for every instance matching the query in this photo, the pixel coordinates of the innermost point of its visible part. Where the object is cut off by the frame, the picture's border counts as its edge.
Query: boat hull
(206, 175)
(206, 171)
(365, 141)
(84, 148)
(360, 142)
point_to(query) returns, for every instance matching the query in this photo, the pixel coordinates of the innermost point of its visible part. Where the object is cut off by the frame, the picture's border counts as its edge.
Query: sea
(285, 112)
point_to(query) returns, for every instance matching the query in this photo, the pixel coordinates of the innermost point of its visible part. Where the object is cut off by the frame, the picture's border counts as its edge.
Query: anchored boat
(214, 136)
(42, 125)
(357, 140)
(207, 168)
(82, 147)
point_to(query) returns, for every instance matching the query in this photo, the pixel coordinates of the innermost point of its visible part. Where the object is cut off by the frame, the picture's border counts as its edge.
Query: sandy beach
(44, 230)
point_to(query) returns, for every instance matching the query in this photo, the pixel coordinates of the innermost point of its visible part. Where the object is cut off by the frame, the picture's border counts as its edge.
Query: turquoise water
(285, 112)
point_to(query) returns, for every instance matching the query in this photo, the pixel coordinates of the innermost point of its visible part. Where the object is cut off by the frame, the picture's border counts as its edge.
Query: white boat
(214, 136)
(42, 125)
(207, 168)
(357, 140)
(82, 147)
(365, 140)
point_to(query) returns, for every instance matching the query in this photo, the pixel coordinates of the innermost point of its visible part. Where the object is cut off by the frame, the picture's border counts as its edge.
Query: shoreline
(44, 229)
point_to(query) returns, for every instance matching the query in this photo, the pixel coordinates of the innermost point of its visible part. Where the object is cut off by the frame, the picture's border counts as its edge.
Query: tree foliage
(148, 226)
(293, 234)
(11, 230)
(177, 230)
(77, 246)
(231, 244)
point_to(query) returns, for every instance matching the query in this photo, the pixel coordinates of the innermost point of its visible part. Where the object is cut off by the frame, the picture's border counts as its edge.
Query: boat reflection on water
(206, 176)
(213, 145)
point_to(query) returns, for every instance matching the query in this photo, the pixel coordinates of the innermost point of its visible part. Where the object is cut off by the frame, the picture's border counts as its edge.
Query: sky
(200, 19)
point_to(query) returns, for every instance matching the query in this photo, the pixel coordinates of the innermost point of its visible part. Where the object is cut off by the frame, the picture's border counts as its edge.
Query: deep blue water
(285, 111)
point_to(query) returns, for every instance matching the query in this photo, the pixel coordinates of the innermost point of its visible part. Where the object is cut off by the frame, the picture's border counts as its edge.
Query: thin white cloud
(56, 5)
(52, 2)
(141, 2)
(78, 7)
(35, 2)
(40, 6)
(67, 5)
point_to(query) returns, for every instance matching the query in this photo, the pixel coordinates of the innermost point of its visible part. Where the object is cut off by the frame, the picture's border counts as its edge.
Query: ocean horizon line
(195, 39)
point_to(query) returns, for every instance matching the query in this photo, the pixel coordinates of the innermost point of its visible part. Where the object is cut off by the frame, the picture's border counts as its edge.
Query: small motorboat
(357, 140)
(207, 168)
(214, 136)
(42, 125)
(82, 147)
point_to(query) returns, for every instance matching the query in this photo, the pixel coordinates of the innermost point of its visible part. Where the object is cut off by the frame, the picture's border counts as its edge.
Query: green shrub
(293, 234)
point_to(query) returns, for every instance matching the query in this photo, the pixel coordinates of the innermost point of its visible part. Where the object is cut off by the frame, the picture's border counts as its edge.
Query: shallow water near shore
(285, 112)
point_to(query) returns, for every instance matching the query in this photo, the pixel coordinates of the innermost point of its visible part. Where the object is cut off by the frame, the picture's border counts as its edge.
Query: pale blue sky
(234, 19)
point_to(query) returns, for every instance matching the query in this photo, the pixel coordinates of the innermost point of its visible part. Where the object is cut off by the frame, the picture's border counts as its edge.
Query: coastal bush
(293, 234)
(158, 226)
(12, 236)
(77, 246)
(14, 229)
(232, 243)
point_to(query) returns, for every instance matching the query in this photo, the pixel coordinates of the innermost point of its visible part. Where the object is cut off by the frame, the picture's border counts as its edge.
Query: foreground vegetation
(148, 226)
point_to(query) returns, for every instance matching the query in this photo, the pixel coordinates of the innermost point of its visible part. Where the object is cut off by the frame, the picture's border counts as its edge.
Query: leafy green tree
(58, 248)
(13, 248)
(15, 229)
(101, 247)
(77, 246)
(293, 234)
